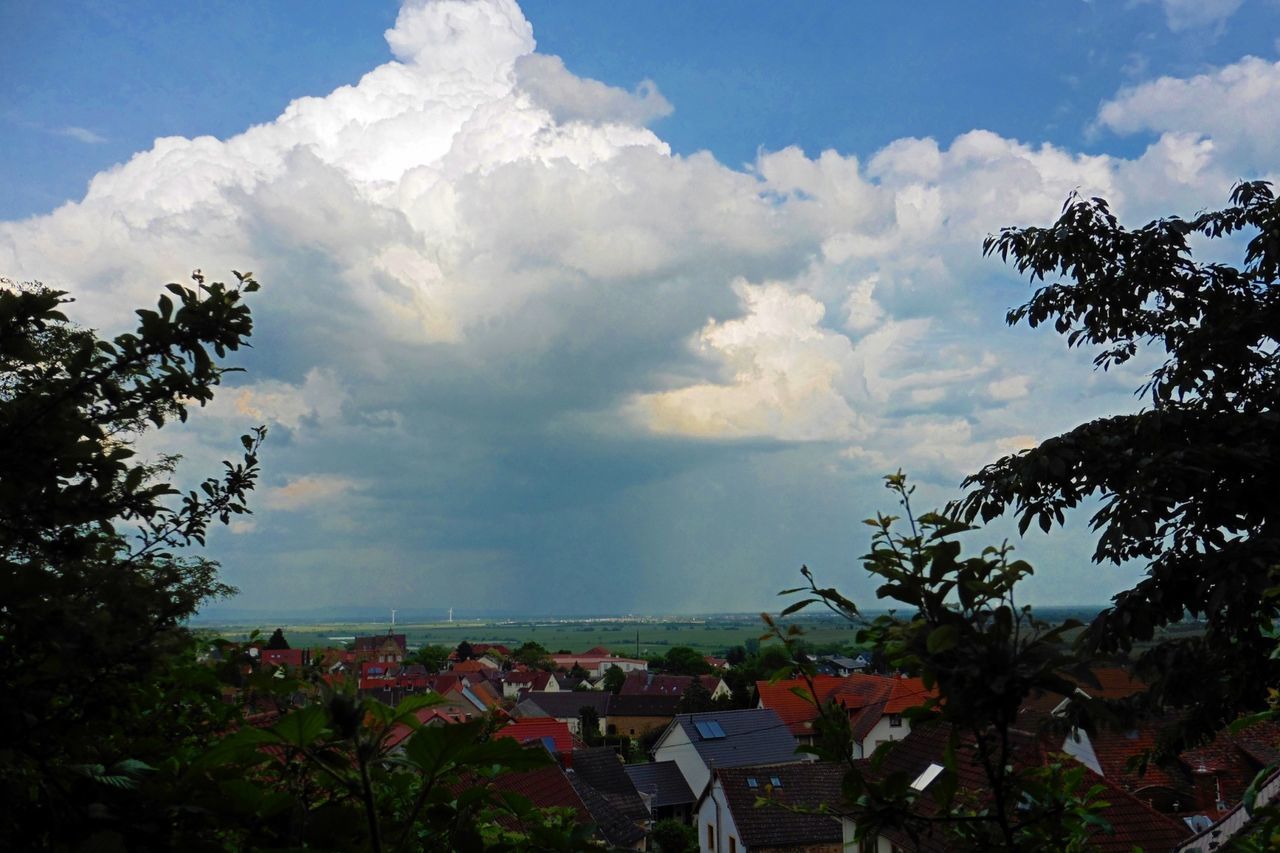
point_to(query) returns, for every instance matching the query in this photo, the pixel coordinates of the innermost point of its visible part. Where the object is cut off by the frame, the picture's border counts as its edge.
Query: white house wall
(715, 812)
(677, 747)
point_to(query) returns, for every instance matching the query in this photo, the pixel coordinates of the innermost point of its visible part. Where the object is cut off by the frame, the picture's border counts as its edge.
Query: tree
(93, 614)
(589, 721)
(1187, 484)
(695, 699)
(980, 656)
(735, 656)
(465, 651)
(277, 640)
(684, 660)
(324, 776)
(534, 655)
(673, 836)
(432, 657)
(614, 678)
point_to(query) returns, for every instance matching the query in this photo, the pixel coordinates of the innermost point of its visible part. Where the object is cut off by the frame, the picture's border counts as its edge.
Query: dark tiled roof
(774, 824)
(598, 775)
(663, 781)
(643, 705)
(752, 736)
(546, 787)
(564, 705)
(1133, 822)
(616, 827)
(372, 644)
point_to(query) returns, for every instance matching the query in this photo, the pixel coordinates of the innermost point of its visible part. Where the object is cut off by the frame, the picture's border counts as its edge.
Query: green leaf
(941, 639)
(302, 727)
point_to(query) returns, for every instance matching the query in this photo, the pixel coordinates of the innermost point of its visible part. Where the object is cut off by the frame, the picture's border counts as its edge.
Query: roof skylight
(930, 773)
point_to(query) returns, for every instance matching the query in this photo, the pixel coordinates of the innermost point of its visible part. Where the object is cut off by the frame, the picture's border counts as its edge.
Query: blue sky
(632, 321)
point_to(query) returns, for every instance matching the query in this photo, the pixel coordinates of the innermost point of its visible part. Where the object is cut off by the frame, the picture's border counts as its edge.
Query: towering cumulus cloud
(507, 337)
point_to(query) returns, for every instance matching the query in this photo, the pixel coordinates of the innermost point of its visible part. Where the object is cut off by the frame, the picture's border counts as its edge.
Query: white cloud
(572, 98)
(81, 134)
(319, 397)
(308, 491)
(472, 252)
(1195, 14)
(786, 376)
(1227, 115)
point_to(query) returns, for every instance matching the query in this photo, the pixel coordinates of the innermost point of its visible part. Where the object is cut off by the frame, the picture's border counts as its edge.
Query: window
(752, 782)
(733, 844)
(895, 721)
(711, 836)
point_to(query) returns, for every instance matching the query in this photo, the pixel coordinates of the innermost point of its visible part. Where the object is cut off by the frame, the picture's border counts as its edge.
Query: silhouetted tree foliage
(534, 655)
(589, 720)
(277, 640)
(1187, 484)
(95, 575)
(614, 678)
(432, 657)
(673, 836)
(695, 698)
(983, 656)
(684, 660)
(465, 652)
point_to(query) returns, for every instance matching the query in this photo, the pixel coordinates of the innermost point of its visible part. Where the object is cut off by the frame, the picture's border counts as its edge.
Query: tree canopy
(1186, 484)
(93, 574)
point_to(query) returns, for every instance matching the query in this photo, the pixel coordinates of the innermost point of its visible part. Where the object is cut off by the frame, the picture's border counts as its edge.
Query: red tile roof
(867, 698)
(535, 729)
(469, 666)
(284, 657)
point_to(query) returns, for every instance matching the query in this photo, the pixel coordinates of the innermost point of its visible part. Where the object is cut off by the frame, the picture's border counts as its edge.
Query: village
(682, 754)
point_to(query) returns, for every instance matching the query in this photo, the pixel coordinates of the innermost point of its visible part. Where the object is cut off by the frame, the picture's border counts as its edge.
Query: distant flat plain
(625, 636)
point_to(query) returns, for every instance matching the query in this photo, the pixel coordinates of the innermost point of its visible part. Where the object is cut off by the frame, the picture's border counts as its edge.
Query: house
(482, 649)
(566, 706)
(1200, 785)
(842, 665)
(610, 796)
(637, 715)
(436, 715)
(664, 789)
(874, 704)
(597, 662)
(385, 648)
(550, 733)
(287, 658)
(697, 743)
(652, 683)
(516, 681)
(473, 666)
(729, 821)
(1216, 834)
(920, 756)
(546, 788)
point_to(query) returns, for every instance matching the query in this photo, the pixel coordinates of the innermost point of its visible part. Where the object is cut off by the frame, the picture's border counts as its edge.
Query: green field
(711, 636)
